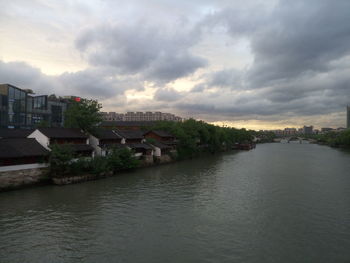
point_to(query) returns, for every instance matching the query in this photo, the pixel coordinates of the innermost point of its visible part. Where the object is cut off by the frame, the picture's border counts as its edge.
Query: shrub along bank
(61, 164)
(334, 139)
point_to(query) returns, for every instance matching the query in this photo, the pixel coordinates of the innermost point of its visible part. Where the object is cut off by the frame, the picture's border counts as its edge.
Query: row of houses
(21, 148)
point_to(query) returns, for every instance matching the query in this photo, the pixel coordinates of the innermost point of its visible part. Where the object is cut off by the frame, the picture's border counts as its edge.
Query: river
(277, 203)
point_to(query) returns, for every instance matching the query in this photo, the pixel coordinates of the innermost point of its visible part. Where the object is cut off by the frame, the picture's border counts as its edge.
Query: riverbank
(14, 180)
(334, 139)
(21, 179)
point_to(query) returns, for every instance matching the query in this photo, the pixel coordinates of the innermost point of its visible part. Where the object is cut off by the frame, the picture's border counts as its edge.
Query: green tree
(121, 159)
(42, 124)
(198, 136)
(83, 114)
(60, 158)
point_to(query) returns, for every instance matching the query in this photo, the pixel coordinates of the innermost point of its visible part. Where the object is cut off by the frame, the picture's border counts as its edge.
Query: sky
(265, 64)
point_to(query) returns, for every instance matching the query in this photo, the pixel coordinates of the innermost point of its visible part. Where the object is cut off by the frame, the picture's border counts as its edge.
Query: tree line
(334, 139)
(195, 136)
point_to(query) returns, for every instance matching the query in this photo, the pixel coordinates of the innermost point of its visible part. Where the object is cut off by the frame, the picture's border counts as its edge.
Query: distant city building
(290, 131)
(340, 129)
(308, 129)
(326, 129)
(294, 131)
(20, 109)
(348, 117)
(127, 125)
(140, 116)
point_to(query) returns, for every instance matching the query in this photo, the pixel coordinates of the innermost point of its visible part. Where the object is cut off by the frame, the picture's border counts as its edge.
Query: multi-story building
(324, 130)
(112, 116)
(140, 116)
(290, 131)
(20, 109)
(308, 129)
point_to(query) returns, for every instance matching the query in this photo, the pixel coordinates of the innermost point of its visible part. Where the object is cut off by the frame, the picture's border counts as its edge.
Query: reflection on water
(278, 203)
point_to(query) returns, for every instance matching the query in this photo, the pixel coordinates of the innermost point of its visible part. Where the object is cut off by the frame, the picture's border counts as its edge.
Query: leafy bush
(335, 139)
(122, 159)
(62, 163)
(80, 166)
(99, 165)
(60, 158)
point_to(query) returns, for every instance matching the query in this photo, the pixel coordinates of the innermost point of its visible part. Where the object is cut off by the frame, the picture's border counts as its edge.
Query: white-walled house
(77, 140)
(22, 153)
(162, 137)
(130, 136)
(134, 140)
(159, 148)
(103, 140)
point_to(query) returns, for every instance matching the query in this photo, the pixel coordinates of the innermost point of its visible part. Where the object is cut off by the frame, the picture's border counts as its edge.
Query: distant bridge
(294, 138)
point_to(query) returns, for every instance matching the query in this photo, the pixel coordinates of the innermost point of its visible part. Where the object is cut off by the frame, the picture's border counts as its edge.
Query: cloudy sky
(256, 64)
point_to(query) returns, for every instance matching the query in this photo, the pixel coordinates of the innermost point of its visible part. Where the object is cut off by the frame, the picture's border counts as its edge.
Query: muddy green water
(277, 203)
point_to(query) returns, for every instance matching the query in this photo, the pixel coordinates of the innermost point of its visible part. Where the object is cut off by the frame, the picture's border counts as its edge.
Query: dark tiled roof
(161, 133)
(77, 147)
(160, 145)
(14, 133)
(21, 147)
(81, 147)
(127, 123)
(105, 134)
(111, 146)
(130, 134)
(139, 146)
(171, 143)
(58, 133)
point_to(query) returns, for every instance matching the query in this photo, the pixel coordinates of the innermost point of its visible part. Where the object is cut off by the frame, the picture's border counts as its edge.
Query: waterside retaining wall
(10, 180)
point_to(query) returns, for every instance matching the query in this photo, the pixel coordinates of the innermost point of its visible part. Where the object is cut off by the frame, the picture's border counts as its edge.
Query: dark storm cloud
(301, 60)
(300, 37)
(222, 79)
(226, 78)
(296, 37)
(89, 83)
(25, 76)
(167, 94)
(289, 58)
(198, 88)
(155, 52)
(171, 66)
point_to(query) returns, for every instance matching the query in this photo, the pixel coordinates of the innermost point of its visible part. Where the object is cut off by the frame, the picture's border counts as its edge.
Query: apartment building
(140, 116)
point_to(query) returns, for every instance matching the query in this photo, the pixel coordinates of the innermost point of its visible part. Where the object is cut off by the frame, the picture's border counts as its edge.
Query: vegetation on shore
(195, 136)
(62, 162)
(83, 114)
(264, 136)
(334, 139)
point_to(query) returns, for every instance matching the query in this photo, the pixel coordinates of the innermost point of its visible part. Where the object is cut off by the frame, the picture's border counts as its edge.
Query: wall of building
(68, 141)
(94, 142)
(15, 179)
(157, 151)
(41, 138)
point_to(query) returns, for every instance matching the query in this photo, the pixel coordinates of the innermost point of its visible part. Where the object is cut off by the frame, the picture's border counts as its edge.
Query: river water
(277, 203)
